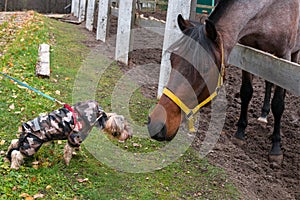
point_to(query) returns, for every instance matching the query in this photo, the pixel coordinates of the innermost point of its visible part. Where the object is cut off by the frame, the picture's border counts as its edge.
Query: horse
(268, 25)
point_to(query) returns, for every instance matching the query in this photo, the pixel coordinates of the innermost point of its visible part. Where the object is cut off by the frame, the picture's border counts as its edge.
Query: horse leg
(246, 92)
(266, 105)
(275, 155)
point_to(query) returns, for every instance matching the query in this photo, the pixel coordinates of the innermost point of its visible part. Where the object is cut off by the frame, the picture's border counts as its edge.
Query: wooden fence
(278, 71)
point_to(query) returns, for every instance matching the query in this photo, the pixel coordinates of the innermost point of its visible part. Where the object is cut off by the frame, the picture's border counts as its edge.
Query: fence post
(193, 9)
(90, 15)
(82, 8)
(72, 6)
(75, 7)
(103, 20)
(125, 21)
(172, 33)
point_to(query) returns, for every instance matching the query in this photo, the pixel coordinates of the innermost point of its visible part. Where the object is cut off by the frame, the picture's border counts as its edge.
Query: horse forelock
(195, 48)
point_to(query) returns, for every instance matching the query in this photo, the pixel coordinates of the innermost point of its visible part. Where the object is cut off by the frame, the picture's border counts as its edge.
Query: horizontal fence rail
(276, 70)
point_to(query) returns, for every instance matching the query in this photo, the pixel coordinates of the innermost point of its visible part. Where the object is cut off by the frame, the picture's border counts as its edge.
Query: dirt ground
(246, 165)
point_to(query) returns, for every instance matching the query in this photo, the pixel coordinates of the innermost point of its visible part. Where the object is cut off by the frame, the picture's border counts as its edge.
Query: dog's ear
(128, 129)
(102, 120)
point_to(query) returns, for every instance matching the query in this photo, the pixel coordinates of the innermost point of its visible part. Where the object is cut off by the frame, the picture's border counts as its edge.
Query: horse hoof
(238, 141)
(275, 160)
(262, 120)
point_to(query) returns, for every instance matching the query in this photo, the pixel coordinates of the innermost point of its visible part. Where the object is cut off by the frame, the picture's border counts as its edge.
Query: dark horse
(268, 25)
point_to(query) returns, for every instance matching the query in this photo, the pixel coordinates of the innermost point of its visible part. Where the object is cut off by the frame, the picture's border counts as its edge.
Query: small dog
(67, 123)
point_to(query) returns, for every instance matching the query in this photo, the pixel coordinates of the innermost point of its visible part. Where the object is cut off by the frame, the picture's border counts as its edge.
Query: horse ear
(210, 29)
(183, 24)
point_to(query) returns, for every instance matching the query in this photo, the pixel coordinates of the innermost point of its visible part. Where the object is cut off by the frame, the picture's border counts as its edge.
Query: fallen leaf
(38, 196)
(35, 166)
(22, 87)
(2, 142)
(12, 106)
(24, 195)
(48, 187)
(82, 180)
(35, 162)
(29, 198)
(136, 145)
(33, 179)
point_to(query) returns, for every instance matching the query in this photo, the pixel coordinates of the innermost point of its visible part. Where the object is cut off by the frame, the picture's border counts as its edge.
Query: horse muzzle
(157, 130)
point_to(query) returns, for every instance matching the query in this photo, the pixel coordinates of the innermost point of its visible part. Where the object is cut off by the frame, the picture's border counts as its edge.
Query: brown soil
(246, 165)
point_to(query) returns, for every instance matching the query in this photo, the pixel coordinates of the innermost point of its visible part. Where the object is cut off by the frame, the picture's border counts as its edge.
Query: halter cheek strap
(191, 112)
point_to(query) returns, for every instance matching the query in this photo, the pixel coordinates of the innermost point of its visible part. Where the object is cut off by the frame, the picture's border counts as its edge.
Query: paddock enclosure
(246, 165)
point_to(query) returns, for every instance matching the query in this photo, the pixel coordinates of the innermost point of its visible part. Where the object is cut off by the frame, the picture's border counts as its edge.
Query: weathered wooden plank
(103, 20)
(278, 71)
(43, 63)
(82, 8)
(72, 6)
(76, 7)
(172, 33)
(125, 22)
(90, 14)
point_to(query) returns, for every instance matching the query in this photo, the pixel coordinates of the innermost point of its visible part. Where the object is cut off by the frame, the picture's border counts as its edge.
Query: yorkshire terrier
(68, 123)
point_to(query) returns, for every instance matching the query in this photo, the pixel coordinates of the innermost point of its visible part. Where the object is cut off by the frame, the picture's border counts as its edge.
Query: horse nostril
(157, 131)
(149, 120)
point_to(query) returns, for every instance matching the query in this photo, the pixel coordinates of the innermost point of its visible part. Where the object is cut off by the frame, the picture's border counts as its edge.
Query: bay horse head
(196, 61)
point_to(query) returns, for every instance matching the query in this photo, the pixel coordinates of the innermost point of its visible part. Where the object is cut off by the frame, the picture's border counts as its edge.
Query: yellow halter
(191, 112)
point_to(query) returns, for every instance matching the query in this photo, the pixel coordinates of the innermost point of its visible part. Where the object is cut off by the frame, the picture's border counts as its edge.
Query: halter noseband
(191, 112)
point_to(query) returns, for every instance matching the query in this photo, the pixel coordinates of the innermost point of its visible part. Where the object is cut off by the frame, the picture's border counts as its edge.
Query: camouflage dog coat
(67, 123)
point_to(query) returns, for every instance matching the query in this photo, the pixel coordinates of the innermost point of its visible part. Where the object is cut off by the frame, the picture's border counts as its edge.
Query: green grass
(188, 177)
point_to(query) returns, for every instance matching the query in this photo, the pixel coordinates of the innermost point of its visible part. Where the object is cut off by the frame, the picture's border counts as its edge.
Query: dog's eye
(115, 134)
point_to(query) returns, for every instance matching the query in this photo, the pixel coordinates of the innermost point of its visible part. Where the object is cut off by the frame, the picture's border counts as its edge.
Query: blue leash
(33, 89)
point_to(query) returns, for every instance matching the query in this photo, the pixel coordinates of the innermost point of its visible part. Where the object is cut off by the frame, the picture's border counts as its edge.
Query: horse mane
(220, 8)
(195, 48)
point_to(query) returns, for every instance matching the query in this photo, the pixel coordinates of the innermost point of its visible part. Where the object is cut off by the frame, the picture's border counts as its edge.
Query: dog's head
(116, 127)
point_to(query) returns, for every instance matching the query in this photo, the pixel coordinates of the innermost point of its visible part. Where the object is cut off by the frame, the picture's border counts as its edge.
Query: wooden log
(43, 63)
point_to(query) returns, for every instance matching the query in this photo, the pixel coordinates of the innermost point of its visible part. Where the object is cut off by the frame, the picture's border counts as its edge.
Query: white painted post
(76, 7)
(90, 15)
(193, 10)
(172, 33)
(103, 20)
(43, 64)
(72, 6)
(125, 21)
(82, 8)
